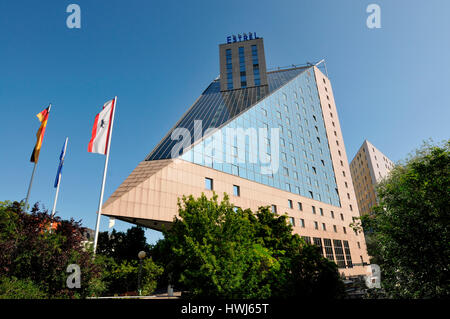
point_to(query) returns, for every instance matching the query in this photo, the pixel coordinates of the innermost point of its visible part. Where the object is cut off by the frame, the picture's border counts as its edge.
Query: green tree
(122, 246)
(213, 250)
(409, 229)
(303, 272)
(117, 253)
(30, 253)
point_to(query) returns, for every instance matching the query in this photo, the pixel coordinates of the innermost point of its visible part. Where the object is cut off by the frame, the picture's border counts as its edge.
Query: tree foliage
(122, 245)
(213, 250)
(409, 231)
(117, 253)
(29, 252)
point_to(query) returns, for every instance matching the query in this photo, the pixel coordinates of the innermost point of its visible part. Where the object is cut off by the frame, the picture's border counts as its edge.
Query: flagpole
(99, 211)
(59, 182)
(32, 174)
(29, 187)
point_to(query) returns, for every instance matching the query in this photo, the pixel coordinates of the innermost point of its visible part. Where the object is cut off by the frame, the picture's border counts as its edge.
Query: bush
(13, 288)
(29, 251)
(122, 277)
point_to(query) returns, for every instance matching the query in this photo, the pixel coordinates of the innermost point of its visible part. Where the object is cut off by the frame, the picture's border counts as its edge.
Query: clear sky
(391, 84)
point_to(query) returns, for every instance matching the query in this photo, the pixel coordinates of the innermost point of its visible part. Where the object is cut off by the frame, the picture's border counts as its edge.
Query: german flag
(43, 117)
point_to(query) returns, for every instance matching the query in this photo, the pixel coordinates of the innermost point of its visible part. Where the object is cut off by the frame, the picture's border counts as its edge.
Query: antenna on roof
(324, 65)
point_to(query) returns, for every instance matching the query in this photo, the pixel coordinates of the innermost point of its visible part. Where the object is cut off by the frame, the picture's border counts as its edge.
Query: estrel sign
(241, 37)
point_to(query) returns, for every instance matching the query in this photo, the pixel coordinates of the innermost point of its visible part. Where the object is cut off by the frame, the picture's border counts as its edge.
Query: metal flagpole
(99, 212)
(59, 182)
(29, 186)
(32, 174)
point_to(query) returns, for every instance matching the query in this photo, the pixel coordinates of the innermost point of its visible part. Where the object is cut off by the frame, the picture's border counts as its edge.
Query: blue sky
(390, 84)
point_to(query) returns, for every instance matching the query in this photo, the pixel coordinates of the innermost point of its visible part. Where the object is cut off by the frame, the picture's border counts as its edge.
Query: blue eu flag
(61, 162)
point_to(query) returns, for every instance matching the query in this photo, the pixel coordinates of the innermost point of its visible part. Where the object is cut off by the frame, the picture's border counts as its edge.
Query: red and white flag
(102, 129)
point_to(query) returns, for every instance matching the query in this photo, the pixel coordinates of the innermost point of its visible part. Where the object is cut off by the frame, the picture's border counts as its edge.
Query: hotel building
(309, 177)
(368, 167)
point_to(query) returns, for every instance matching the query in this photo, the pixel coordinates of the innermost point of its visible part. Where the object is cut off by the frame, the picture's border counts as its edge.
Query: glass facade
(214, 108)
(305, 165)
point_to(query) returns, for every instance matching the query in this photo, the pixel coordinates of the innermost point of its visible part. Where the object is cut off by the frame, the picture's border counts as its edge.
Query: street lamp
(141, 255)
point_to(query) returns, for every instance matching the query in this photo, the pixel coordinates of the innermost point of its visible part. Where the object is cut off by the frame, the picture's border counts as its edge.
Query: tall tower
(368, 167)
(242, 62)
(309, 177)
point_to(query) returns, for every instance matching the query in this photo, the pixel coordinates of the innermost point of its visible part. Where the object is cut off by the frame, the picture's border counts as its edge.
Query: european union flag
(61, 162)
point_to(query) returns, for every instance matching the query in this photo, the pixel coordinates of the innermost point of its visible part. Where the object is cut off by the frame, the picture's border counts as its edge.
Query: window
(316, 225)
(332, 214)
(290, 204)
(347, 254)
(236, 190)
(345, 230)
(324, 227)
(292, 221)
(208, 183)
(313, 209)
(342, 216)
(328, 249)
(229, 70)
(302, 222)
(264, 111)
(255, 62)
(318, 243)
(242, 67)
(339, 252)
(321, 211)
(335, 228)
(274, 208)
(300, 206)
(351, 207)
(307, 239)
